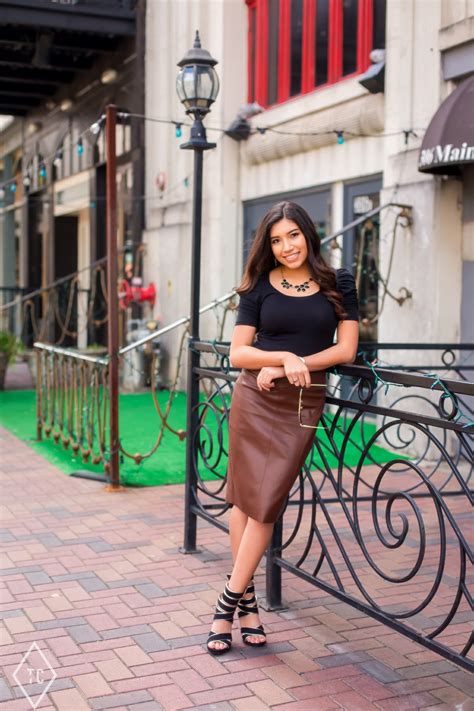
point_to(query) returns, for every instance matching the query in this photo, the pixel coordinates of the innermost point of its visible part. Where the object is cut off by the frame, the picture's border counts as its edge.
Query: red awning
(448, 143)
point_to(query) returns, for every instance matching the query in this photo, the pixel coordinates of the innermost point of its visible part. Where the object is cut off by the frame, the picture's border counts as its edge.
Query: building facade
(323, 139)
(62, 64)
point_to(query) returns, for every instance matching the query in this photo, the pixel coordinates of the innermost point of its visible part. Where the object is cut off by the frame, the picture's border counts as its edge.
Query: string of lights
(94, 129)
(55, 157)
(254, 130)
(458, 413)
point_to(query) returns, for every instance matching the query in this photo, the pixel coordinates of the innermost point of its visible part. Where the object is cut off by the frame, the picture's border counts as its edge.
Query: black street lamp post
(197, 85)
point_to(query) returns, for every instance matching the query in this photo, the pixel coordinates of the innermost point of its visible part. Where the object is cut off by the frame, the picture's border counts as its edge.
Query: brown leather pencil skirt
(267, 445)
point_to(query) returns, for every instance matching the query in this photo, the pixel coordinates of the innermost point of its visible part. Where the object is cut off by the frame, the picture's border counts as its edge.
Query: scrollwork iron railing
(381, 514)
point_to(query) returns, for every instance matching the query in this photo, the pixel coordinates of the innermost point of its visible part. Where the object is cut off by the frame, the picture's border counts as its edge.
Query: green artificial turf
(139, 426)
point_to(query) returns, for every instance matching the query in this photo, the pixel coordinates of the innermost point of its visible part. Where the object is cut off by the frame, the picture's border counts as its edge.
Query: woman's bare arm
(298, 373)
(344, 351)
(244, 355)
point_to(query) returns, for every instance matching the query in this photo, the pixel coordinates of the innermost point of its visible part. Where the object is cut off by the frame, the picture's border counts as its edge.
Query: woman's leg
(249, 541)
(253, 545)
(237, 522)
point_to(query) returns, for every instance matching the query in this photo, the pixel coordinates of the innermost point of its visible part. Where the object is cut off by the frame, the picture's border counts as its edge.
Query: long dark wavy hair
(261, 259)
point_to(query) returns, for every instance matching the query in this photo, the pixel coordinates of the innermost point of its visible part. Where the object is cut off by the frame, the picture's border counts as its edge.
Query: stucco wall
(427, 258)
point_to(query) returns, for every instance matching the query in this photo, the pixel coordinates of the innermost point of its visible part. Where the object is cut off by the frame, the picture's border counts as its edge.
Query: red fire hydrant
(131, 293)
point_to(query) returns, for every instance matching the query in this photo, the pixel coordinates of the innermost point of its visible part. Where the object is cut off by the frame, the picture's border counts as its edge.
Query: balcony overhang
(83, 15)
(45, 44)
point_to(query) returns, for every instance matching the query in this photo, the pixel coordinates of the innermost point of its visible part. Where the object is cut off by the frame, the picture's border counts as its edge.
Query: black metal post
(198, 144)
(112, 325)
(190, 520)
(273, 571)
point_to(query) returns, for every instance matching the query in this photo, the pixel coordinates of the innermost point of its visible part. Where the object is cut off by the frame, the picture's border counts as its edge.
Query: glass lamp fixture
(197, 83)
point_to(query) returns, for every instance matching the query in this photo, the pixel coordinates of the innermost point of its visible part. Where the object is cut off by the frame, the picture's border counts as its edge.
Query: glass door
(361, 251)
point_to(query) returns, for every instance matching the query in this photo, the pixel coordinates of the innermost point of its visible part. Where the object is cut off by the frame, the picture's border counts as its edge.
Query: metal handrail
(136, 344)
(180, 322)
(54, 284)
(325, 240)
(362, 219)
(376, 345)
(70, 353)
(61, 280)
(361, 371)
(418, 346)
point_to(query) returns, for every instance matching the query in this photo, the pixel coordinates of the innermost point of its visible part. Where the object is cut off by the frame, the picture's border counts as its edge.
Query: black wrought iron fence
(381, 514)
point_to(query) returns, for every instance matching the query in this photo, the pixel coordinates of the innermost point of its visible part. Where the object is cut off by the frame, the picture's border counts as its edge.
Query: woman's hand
(267, 375)
(296, 371)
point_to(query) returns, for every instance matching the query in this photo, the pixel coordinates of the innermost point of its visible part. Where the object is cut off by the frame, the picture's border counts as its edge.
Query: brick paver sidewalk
(97, 581)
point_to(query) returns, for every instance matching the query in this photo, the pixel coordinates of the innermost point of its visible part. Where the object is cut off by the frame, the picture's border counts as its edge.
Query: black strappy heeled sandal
(225, 609)
(249, 607)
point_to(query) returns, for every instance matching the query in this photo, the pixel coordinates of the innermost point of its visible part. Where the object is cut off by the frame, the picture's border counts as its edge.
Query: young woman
(291, 305)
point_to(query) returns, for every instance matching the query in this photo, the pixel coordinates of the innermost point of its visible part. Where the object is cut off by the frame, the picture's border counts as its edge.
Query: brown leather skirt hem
(267, 445)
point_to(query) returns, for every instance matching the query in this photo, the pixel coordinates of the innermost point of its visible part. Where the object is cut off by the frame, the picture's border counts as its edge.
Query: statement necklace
(299, 287)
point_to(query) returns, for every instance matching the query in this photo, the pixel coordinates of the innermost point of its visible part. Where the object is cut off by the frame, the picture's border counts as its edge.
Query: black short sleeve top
(300, 324)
